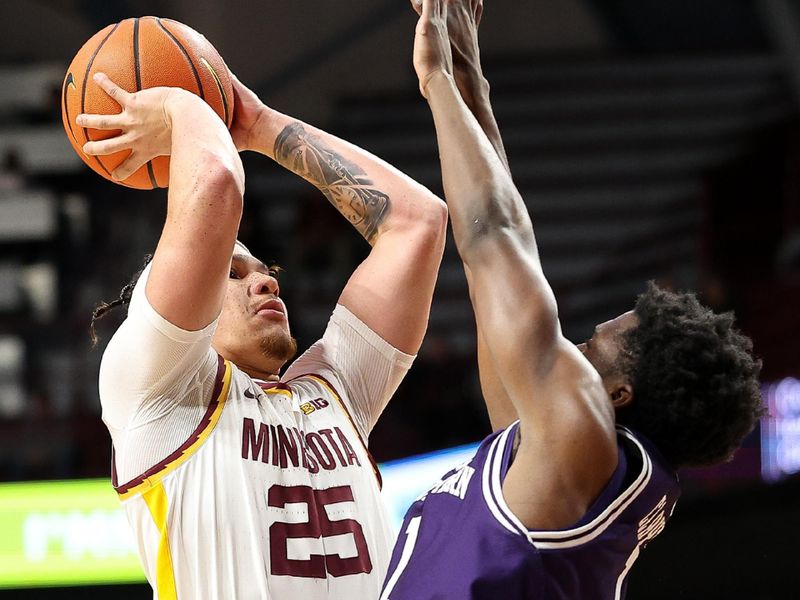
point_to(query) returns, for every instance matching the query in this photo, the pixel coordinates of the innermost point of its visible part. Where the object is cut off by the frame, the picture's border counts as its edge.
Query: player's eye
(233, 274)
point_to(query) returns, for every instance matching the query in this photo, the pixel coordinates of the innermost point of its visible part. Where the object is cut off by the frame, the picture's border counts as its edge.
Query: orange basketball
(136, 54)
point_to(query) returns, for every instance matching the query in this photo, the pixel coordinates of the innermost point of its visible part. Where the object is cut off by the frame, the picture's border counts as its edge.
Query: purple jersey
(461, 541)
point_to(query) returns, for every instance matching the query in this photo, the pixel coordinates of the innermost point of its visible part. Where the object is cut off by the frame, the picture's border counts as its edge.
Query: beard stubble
(279, 345)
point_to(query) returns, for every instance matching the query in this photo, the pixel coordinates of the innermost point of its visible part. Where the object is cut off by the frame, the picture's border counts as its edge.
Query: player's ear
(621, 395)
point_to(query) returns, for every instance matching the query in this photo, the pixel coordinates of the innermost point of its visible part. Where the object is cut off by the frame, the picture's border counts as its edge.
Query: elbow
(427, 222)
(492, 204)
(434, 226)
(498, 208)
(221, 170)
(492, 229)
(435, 218)
(222, 180)
(211, 193)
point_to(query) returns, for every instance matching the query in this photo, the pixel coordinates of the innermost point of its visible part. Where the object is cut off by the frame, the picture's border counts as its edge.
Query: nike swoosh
(249, 394)
(69, 83)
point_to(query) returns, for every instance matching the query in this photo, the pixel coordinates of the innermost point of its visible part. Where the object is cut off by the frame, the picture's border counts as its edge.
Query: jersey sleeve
(365, 366)
(150, 365)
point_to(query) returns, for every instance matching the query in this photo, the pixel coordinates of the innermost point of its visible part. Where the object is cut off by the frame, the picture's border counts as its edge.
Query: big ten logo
(312, 405)
(653, 523)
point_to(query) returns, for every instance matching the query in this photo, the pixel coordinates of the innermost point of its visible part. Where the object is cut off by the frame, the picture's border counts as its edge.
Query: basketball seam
(186, 56)
(223, 97)
(83, 91)
(150, 173)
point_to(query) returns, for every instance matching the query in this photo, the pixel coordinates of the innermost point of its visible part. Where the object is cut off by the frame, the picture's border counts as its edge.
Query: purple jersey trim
(460, 541)
(608, 494)
(493, 472)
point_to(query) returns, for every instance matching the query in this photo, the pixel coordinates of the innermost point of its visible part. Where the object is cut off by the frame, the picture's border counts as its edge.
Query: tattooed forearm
(343, 182)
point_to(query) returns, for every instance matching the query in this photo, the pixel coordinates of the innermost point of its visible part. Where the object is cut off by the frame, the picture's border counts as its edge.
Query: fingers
(117, 144)
(111, 88)
(128, 167)
(235, 82)
(231, 74)
(417, 6)
(106, 147)
(101, 121)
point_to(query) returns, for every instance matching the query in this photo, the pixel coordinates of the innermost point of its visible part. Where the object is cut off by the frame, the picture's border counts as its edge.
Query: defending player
(559, 501)
(239, 485)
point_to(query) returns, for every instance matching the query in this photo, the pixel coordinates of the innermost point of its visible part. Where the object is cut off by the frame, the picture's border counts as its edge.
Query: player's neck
(260, 374)
(265, 371)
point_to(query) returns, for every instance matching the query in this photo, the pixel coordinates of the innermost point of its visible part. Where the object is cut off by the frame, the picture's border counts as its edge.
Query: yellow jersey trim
(335, 394)
(154, 475)
(158, 504)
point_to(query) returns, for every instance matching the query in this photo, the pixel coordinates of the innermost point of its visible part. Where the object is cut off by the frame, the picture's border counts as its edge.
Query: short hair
(695, 381)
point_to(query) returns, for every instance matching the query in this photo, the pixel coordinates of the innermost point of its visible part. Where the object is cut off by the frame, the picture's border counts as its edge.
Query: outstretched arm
(405, 223)
(568, 449)
(463, 19)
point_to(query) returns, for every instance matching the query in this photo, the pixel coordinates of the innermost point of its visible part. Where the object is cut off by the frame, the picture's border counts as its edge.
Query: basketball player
(240, 482)
(580, 472)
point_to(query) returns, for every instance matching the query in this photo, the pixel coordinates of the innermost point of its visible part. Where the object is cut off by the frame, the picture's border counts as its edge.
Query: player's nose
(261, 283)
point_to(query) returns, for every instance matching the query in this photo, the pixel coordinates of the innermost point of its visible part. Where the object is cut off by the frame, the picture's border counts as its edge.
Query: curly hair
(102, 309)
(695, 380)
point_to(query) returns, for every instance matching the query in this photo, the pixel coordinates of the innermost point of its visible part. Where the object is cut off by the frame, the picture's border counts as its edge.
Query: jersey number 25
(318, 526)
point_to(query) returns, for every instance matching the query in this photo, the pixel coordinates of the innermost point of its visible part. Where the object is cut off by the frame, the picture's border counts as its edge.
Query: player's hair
(695, 380)
(102, 309)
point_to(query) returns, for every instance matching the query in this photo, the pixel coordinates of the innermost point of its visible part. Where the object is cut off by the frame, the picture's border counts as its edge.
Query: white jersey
(237, 488)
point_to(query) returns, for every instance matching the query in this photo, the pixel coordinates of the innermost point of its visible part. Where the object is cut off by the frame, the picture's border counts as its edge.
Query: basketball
(136, 54)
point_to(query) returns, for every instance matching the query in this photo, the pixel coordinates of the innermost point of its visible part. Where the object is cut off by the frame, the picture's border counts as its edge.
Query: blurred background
(651, 140)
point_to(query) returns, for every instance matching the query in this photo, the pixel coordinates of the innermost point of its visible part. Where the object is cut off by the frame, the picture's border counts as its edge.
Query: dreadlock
(124, 298)
(695, 381)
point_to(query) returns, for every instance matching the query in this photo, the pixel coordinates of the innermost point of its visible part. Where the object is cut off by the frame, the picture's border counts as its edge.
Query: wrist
(176, 103)
(474, 87)
(434, 81)
(176, 99)
(262, 133)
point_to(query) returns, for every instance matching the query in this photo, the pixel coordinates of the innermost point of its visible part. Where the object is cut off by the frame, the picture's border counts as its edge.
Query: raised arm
(190, 266)
(568, 450)
(404, 222)
(463, 19)
(462, 29)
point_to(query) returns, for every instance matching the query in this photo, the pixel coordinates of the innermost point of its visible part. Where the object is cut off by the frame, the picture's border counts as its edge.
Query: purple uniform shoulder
(461, 541)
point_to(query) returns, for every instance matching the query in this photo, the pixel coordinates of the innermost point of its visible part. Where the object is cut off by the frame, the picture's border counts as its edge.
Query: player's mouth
(271, 309)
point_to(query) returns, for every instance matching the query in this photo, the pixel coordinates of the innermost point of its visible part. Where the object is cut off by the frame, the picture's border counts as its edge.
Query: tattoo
(342, 182)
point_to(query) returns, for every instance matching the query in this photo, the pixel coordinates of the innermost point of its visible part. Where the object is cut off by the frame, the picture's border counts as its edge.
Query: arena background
(652, 140)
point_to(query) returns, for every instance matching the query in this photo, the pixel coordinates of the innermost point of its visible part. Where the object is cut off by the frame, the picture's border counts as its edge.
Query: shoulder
(347, 342)
(317, 391)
